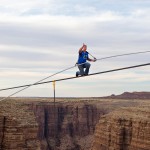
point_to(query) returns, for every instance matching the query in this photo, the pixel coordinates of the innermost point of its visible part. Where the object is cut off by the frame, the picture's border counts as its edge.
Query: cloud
(67, 7)
(39, 38)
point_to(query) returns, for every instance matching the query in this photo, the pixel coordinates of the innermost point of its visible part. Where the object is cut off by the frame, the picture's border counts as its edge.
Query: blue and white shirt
(83, 56)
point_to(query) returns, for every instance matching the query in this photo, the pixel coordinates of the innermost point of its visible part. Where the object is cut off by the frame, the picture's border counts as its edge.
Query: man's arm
(80, 50)
(91, 59)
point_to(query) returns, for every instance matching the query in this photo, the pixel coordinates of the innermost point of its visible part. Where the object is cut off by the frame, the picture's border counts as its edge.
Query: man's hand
(94, 59)
(83, 45)
(81, 49)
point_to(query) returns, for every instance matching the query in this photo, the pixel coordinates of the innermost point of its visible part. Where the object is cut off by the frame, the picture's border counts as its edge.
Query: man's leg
(77, 73)
(81, 70)
(87, 66)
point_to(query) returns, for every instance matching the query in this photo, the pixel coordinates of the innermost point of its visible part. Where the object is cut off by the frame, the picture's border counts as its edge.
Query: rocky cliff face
(41, 126)
(18, 128)
(35, 124)
(71, 125)
(125, 129)
(67, 124)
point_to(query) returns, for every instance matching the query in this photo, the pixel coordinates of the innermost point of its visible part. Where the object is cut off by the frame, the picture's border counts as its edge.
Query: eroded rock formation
(68, 124)
(34, 123)
(125, 129)
(18, 127)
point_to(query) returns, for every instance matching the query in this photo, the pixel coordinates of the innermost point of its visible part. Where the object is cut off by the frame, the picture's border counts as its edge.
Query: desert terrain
(104, 123)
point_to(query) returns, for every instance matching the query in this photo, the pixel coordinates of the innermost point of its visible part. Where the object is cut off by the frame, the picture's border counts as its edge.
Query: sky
(41, 37)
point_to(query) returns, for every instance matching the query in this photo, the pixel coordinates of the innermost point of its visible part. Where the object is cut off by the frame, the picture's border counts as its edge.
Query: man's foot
(77, 74)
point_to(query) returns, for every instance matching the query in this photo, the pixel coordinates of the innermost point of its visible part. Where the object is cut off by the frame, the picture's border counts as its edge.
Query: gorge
(74, 124)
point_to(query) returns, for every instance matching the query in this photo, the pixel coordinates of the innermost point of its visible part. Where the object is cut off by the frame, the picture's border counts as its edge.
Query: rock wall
(67, 124)
(34, 124)
(125, 129)
(18, 128)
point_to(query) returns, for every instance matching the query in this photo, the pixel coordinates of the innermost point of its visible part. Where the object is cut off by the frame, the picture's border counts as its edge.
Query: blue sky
(41, 37)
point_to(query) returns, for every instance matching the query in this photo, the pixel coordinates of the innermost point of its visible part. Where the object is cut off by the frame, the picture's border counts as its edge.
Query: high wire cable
(27, 86)
(121, 55)
(114, 70)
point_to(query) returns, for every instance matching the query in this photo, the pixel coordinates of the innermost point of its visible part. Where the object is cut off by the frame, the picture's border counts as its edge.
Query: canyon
(74, 124)
(124, 129)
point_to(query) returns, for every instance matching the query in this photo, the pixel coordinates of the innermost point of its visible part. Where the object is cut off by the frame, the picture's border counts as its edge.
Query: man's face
(84, 48)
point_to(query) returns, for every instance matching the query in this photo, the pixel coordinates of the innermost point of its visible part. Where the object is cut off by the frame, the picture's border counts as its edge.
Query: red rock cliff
(34, 124)
(71, 124)
(125, 129)
(18, 128)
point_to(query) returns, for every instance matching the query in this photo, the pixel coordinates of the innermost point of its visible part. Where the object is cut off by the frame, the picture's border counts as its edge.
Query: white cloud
(140, 13)
(39, 38)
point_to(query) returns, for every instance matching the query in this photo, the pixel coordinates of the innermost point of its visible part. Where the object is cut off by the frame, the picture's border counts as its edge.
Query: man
(83, 57)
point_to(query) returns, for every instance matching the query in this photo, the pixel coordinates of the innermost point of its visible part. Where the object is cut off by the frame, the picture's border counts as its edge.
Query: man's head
(84, 48)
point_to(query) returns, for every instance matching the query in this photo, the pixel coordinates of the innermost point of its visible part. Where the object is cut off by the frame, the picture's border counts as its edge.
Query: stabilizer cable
(114, 70)
(27, 86)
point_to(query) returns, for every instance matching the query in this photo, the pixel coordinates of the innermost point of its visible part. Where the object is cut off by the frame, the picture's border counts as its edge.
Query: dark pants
(81, 68)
